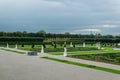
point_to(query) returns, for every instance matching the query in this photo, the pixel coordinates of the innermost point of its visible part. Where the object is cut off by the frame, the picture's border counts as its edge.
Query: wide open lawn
(105, 50)
(60, 50)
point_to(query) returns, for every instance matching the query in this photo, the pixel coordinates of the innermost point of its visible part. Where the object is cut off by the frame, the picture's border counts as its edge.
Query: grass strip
(13, 51)
(84, 65)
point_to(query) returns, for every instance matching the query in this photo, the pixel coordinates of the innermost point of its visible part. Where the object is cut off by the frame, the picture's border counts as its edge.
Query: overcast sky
(59, 16)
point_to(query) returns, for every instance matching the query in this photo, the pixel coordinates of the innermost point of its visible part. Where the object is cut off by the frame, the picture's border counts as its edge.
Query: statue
(42, 49)
(65, 52)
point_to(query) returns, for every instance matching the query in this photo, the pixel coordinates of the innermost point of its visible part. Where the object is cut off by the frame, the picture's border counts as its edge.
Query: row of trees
(43, 34)
(40, 33)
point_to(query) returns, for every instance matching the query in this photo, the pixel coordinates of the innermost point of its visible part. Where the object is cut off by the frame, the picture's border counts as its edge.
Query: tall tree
(41, 33)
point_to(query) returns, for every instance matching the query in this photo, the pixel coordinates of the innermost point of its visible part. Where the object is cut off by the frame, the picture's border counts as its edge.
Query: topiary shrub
(22, 45)
(33, 45)
(44, 45)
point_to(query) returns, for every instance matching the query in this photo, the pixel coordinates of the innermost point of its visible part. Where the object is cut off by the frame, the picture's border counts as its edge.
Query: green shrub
(118, 59)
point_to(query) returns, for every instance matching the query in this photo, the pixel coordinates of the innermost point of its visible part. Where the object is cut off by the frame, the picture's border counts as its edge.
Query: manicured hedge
(20, 40)
(93, 40)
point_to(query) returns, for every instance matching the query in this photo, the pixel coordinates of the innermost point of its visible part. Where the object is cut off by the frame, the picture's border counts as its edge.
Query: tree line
(43, 34)
(43, 37)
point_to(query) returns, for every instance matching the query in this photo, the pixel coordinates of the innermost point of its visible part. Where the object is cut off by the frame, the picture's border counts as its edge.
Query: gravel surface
(15, 66)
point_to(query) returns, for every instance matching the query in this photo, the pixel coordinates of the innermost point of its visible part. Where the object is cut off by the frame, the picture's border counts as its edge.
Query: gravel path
(22, 67)
(102, 64)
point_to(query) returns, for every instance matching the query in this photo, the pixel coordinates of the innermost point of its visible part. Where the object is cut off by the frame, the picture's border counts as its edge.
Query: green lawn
(71, 51)
(105, 50)
(49, 46)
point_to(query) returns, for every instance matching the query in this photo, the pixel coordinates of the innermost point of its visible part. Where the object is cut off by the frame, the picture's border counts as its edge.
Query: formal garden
(91, 47)
(106, 53)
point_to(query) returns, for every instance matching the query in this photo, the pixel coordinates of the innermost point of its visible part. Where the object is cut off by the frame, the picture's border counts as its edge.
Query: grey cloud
(63, 14)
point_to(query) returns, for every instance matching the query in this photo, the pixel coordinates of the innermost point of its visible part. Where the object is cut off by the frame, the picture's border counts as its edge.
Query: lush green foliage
(42, 33)
(49, 37)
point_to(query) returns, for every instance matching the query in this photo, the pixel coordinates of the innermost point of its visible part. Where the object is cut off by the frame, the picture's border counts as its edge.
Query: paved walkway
(22, 67)
(112, 66)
